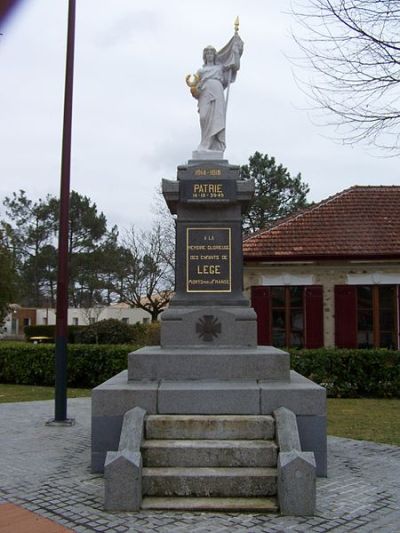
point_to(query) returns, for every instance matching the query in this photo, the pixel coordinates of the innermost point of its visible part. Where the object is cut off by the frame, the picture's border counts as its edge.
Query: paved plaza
(46, 470)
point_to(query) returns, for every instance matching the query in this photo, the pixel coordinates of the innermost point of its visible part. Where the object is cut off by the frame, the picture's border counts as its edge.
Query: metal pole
(62, 279)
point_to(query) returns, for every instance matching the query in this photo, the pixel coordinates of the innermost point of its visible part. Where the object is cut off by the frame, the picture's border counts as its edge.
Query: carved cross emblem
(208, 327)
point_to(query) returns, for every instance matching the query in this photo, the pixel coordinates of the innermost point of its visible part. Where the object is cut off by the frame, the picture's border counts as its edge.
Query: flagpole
(60, 403)
(236, 27)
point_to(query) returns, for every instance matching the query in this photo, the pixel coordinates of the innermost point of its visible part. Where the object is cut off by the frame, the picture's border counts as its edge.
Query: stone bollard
(297, 483)
(123, 481)
(296, 469)
(123, 468)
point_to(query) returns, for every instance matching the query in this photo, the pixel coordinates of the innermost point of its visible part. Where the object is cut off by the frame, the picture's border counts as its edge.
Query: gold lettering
(207, 188)
(207, 172)
(197, 247)
(208, 269)
(217, 247)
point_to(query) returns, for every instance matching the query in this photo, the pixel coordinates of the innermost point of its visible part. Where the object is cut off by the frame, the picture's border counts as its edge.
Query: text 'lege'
(208, 269)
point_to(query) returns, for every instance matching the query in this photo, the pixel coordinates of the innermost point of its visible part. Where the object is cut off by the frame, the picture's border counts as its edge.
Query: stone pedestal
(208, 361)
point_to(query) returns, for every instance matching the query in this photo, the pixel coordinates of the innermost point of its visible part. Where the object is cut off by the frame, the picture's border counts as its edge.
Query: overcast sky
(134, 119)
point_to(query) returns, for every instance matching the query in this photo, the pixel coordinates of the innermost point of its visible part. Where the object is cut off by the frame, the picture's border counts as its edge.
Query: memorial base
(207, 155)
(208, 366)
(209, 326)
(112, 399)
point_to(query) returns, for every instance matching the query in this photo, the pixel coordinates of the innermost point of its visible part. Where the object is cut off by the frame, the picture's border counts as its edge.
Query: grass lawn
(365, 419)
(29, 393)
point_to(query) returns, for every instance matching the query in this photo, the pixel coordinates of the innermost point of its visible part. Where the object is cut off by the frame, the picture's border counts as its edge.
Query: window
(27, 321)
(92, 320)
(376, 316)
(289, 315)
(125, 320)
(146, 320)
(366, 316)
(45, 320)
(75, 320)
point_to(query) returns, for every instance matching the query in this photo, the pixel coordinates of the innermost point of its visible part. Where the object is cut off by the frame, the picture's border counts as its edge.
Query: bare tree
(166, 223)
(92, 314)
(353, 48)
(148, 279)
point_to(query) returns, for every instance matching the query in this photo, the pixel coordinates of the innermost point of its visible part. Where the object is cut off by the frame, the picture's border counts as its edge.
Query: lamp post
(62, 276)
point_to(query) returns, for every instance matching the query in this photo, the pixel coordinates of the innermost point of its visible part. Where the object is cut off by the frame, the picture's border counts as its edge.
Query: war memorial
(208, 419)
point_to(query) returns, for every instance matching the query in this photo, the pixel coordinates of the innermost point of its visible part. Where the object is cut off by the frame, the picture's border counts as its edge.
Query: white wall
(83, 317)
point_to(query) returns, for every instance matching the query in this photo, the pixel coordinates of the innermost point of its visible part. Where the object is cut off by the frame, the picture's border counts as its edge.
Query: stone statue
(207, 86)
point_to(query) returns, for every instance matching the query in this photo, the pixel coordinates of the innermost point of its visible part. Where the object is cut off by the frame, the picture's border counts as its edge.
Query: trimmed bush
(110, 331)
(345, 373)
(351, 373)
(40, 331)
(88, 365)
(74, 332)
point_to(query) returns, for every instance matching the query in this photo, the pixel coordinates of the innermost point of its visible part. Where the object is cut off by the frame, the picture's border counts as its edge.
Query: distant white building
(19, 317)
(84, 317)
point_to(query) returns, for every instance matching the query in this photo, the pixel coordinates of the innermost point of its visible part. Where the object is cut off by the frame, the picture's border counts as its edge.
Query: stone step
(224, 363)
(261, 505)
(210, 427)
(213, 453)
(224, 482)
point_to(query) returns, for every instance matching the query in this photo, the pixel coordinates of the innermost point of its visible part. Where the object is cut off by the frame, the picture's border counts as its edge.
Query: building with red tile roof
(330, 274)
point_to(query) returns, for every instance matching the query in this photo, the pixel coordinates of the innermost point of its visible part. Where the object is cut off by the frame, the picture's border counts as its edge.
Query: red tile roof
(360, 222)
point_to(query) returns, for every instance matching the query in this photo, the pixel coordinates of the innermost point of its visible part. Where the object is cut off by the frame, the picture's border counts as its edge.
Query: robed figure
(208, 85)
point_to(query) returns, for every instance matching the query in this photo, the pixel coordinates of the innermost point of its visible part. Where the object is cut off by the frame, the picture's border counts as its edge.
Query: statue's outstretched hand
(195, 92)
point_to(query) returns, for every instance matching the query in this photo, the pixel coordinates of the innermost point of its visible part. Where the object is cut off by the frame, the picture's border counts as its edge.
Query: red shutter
(346, 316)
(314, 317)
(398, 316)
(261, 302)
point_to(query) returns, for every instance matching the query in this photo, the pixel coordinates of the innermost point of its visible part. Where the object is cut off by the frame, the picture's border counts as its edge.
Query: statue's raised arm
(207, 86)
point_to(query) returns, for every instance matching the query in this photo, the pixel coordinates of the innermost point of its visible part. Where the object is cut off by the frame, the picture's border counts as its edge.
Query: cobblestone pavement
(46, 470)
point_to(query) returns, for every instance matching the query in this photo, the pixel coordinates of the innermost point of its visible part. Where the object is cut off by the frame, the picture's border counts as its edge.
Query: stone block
(110, 401)
(210, 155)
(123, 481)
(209, 397)
(210, 427)
(155, 363)
(211, 505)
(234, 326)
(132, 432)
(106, 431)
(312, 431)
(210, 453)
(297, 483)
(287, 434)
(116, 396)
(300, 395)
(97, 460)
(223, 482)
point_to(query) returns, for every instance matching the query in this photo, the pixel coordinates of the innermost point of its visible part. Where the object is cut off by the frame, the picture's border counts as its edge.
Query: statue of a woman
(207, 86)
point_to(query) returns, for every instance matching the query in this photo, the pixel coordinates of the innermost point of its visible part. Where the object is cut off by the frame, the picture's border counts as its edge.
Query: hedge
(109, 331)
(88, 364)
(50, 331)
(344, 373)
(351, 373)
